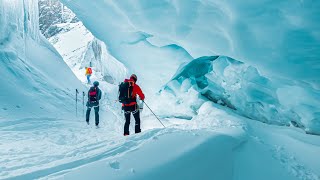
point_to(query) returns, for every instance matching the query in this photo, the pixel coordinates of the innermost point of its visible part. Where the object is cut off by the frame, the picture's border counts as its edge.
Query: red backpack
(93, 94)
(89, 71)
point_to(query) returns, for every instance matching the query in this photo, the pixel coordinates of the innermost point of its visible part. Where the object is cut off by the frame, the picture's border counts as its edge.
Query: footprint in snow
(132, 170)
(155, 138)
(114, 165)
(195, 134)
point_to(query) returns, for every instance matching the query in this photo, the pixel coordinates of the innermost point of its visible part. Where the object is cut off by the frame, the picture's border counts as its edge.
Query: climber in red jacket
(128, 91)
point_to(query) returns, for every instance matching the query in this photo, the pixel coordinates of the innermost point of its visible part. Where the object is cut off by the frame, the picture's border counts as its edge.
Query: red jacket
(135, 91)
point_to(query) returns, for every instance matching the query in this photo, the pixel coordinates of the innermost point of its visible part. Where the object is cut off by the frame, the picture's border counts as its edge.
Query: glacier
(235, 83)
(280, 40)
(32, 70)
(267, 35)
(240, 87)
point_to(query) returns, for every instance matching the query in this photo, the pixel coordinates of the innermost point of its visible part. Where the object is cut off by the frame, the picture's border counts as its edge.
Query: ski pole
(77, 102)
(83, 103)
(153, 113)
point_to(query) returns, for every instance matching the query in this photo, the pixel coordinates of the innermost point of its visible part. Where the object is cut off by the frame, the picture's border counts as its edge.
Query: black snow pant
(127, 114)
(96, 112)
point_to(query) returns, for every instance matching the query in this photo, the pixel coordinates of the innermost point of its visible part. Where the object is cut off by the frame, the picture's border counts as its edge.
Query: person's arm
(140, 93)
(100, 94)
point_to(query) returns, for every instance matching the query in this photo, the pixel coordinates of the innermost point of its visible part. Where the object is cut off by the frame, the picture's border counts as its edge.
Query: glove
(140, 106)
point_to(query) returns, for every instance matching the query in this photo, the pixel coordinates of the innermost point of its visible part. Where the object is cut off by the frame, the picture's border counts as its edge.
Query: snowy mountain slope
(80, 49)
(52, 13)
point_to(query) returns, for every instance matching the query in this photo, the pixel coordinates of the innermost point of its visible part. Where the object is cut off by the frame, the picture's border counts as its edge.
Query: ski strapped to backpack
(93, 95)
(125, 92)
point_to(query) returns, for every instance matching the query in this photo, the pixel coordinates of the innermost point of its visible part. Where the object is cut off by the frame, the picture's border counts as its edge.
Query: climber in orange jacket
(88, 74)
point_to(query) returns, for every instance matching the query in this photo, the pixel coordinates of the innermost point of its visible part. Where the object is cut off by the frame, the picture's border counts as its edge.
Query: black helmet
(134, 77)
(96, 84)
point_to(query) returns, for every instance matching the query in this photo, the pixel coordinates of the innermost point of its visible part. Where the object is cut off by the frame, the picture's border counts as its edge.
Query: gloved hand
(140, 109)
(140, 104)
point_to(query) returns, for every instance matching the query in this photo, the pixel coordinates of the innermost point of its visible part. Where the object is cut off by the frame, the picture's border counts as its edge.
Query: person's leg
(88, 114)
(127, 114)
(127, 123)
(136, 115)
(88, 78)
(96, 111)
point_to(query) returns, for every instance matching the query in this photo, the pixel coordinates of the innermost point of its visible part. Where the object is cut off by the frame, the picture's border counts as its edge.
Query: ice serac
(232, 83)
(33, 75)
(18, 20)
(154, 64)
(111, 70)
(277, 37)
